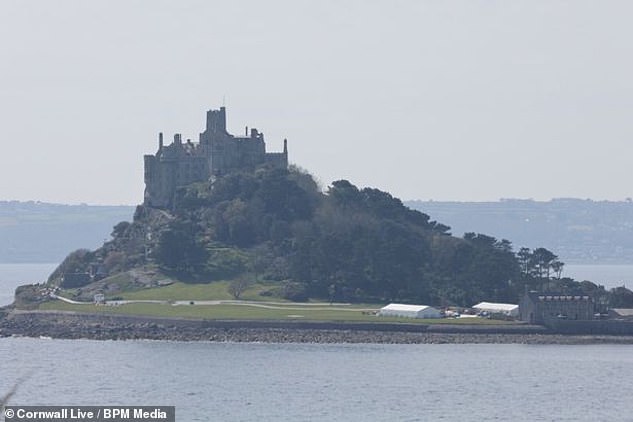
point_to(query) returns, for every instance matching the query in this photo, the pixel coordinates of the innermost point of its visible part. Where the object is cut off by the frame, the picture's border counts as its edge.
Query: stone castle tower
(217, 153)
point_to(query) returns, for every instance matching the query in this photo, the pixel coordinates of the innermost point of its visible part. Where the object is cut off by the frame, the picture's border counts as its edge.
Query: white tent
(410, 311)
(498, 308)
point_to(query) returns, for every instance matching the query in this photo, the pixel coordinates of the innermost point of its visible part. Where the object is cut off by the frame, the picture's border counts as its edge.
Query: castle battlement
(217, 153)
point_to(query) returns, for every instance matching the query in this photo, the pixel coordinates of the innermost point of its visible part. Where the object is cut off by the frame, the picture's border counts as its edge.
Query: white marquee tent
(410, 311)
(498, 308)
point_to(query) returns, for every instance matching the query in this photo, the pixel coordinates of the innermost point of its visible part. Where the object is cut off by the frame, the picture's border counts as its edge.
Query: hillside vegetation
(277, 228)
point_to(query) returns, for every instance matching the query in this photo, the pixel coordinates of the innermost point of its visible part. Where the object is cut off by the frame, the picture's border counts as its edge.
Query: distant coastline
(68, 325)
(39, 232)
(579, 231)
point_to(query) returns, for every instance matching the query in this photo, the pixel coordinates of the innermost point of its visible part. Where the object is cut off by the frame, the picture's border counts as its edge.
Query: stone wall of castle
(217, 153)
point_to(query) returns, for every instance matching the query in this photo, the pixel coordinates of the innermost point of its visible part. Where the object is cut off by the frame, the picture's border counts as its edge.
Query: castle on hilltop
(217, 153)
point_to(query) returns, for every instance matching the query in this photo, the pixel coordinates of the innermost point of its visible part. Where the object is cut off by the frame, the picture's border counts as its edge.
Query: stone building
(539, 308)
(217, 153)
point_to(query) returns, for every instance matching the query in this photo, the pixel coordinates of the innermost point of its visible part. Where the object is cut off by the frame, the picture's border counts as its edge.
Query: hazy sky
(444, 100)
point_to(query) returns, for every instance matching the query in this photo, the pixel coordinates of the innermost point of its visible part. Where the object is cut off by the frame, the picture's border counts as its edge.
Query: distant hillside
(578, 231)
(40, 232)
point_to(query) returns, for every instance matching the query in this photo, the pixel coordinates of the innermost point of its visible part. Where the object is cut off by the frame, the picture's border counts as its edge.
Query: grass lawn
(224, 311)
(217, 290)
(289, 311)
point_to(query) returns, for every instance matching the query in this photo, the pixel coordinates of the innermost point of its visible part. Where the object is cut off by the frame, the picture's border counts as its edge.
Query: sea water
(607, 275)
(318, 382)
(14, 275)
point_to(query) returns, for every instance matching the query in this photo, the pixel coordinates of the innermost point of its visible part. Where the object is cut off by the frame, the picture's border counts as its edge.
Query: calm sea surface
(13, 275)
(292, 382)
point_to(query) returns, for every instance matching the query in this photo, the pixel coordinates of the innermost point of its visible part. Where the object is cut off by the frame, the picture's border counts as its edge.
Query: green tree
(557, 268)
(237, 287)
(621, 297)
(180, 251)
(542, 260)
(525, 261)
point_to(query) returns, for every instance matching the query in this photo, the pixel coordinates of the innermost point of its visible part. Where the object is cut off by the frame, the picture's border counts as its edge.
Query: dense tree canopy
(342, 244)
(345, 244)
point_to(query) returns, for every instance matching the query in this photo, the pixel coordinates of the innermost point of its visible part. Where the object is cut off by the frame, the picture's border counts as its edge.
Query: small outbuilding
(409, 311)
(498, 308)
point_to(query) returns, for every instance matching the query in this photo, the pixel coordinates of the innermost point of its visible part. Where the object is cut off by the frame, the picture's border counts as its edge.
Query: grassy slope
(183, 291)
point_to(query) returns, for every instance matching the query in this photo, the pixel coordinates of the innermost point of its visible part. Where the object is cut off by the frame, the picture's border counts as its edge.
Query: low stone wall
(607, 327)
(488, 329)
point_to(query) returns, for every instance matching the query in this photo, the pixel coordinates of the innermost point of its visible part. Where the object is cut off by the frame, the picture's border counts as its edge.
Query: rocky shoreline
(68, 325)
